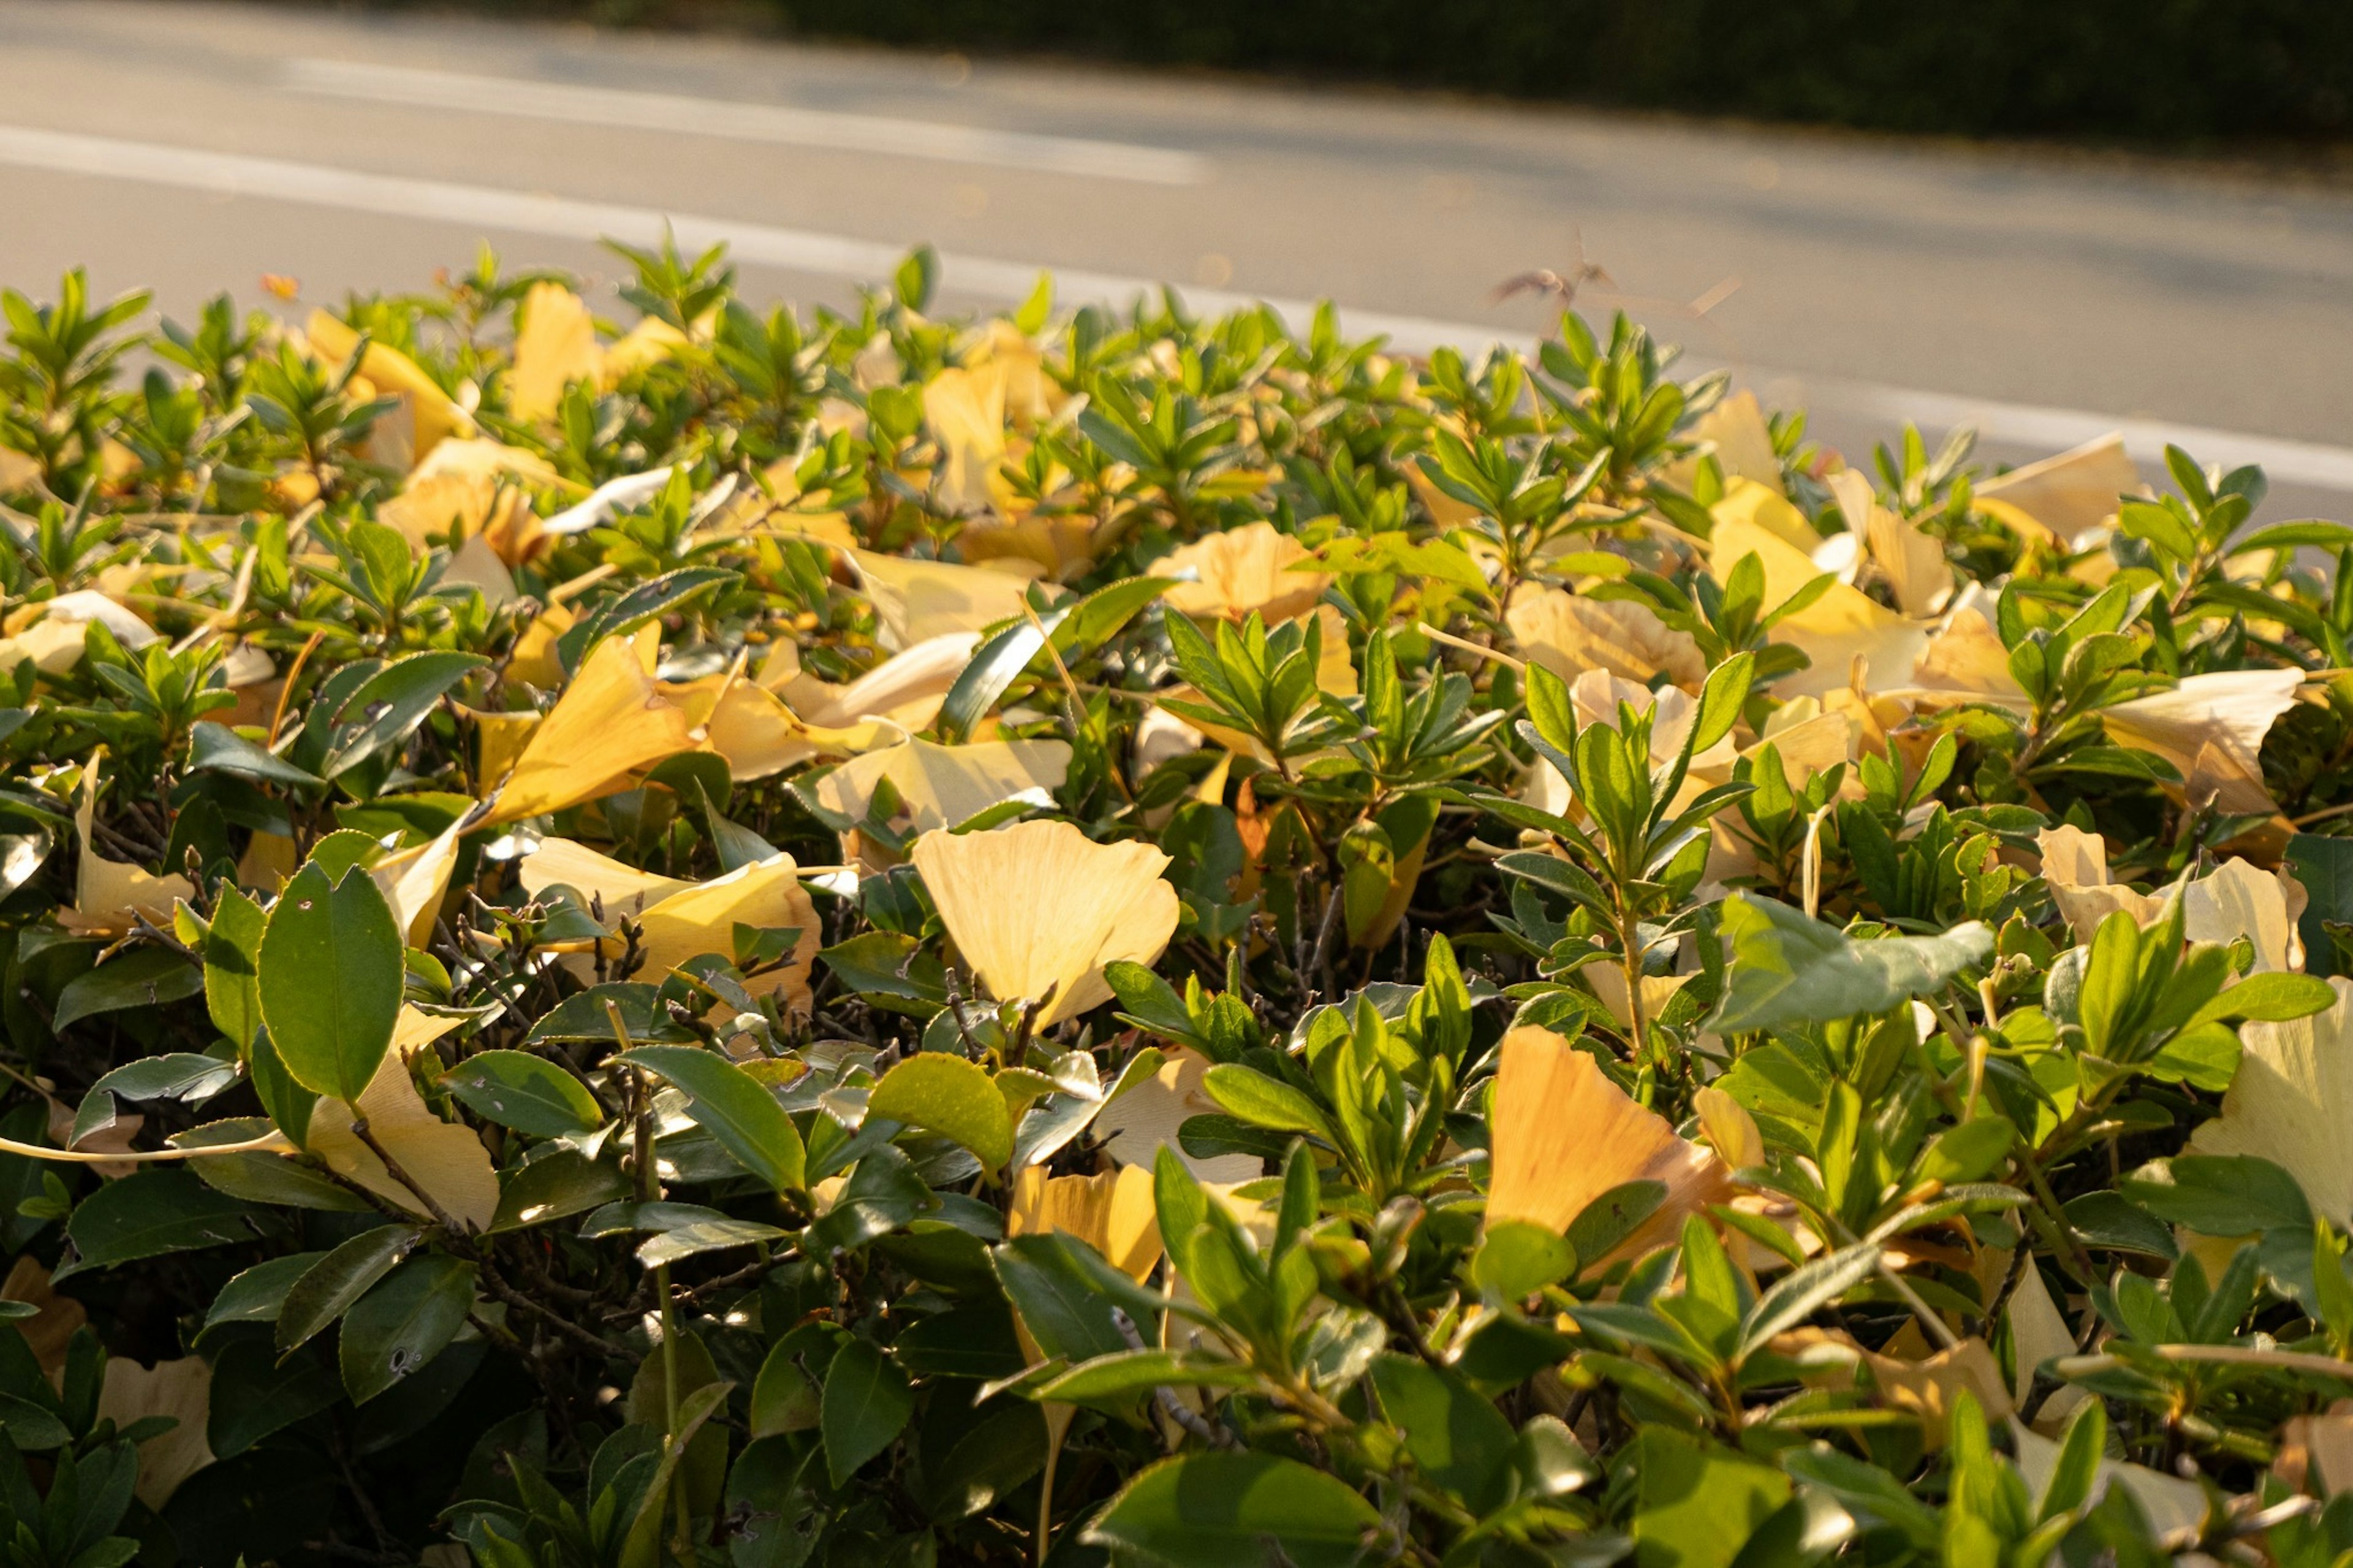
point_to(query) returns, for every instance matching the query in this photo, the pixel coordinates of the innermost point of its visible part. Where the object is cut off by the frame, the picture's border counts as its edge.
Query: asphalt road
(2043, 298)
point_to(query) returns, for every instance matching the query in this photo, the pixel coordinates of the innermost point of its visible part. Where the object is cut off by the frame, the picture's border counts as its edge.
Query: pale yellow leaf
(110, 895)
(181, 1390)
(1148, 1117)
(430, 413)
(1570, 634)
(917, 600)
(940, 786)
(2067, 495)
(446, 1160)
(2292, 1101)
(1037, 909)
(555, 345)
(1243, 569)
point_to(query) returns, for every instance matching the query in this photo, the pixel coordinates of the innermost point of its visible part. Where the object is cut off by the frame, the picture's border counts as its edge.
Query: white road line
(841, 257)
(743, 121)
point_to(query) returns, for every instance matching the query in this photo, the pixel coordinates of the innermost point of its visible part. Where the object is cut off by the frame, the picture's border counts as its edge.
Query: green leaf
(865, 1405)
(1696, 1505)
(146, 1214)
(1967, 1152)
(402, 1324)
(1113, 1382)
(331, 977)
(528, 1093)
(1224, 1510)
(258, 1294)
(1804, 1291)
(734, 1107)
(1516, 1259)
(1789, 969)
(1457, 1438)
(327, 1289)
(254, 1394)
(142, 977)
(2325, 867)
(216, 748)
(1263, 1102)
(392, 702)
(950, 1096)
(2221, 1194)
(704, 1236)
(558, 1184)
(232, 952)
(641, 1548)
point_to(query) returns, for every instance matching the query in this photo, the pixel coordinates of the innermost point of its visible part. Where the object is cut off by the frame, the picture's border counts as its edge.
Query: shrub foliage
(850, 939)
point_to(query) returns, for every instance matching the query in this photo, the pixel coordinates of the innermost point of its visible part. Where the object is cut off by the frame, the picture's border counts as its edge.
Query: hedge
(767, 938)
(2192, 74)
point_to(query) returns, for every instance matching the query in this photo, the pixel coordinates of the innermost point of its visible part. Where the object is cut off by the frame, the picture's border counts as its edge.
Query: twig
(1175, 1409)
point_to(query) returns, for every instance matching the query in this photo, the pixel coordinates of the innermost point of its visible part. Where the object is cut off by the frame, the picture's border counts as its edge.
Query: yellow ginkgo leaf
(1608, 983)
(1036, 909)
(680, 921)
(940, 786)
(2063, 497)
(1058, 545)
(1561, 1134)
(1912, 563)
(650, 342)
(2238, 899)
(905, 689)
(965, 411)
(1842, 626)
(619, 889)
(180, 1390)
(2292, 1102)
(1229, 575)
(555, 345)
(1110, 1211)
(760, 736)
(534, 660)
(478, 485)
(1147, 1118)
(1766, 509)
(1737, 432)
(446, 1160)
(1570, 634)
(613, 721)
(2318, 1450)
(1927, 1388)
(110, 895)
(414, 880)
(918, 600)
(1965, 661)
(430, 415)
(55, 1316)
(2075, 868)
(2212, 728)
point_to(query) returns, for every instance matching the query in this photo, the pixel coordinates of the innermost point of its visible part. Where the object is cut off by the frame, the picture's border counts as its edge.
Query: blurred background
(2048, 219)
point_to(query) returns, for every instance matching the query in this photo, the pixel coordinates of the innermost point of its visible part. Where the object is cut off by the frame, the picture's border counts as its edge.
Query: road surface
(2042, 298)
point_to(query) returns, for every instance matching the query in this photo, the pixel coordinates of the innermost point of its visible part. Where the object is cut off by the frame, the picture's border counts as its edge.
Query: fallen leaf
(1562, 1134)
(110, 896)
(430, 415)
(918, 600)
(2292, 1102)
(2063, 497)
(181, 1390)
(940, 786)
(682, 920)
(1148, 1117)
(1242, 571)
(446, 1160)
(2212, 725)
(612, 722)
(1570, 634)
(555, 345)
(1037, 909)
(1738, 434)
